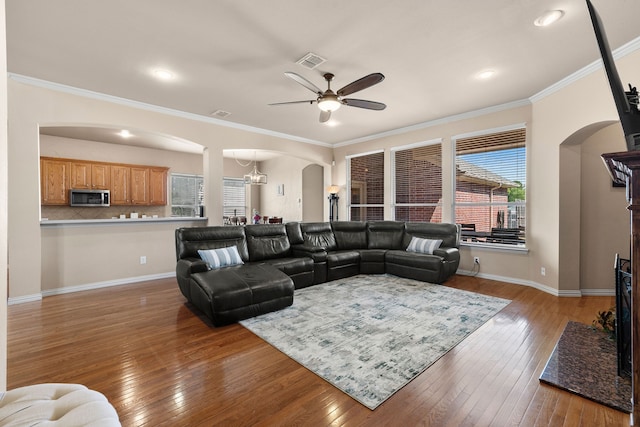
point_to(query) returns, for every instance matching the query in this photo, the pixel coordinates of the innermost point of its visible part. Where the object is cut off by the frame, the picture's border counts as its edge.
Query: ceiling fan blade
(361, 103)
(304, 82)
(325, 116)
(360, 84)
(311, 101)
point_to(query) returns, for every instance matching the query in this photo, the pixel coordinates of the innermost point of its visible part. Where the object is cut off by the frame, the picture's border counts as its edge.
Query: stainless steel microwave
(89, 198)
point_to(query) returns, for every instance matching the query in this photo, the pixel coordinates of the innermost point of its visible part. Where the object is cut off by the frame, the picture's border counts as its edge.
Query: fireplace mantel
(624, 168)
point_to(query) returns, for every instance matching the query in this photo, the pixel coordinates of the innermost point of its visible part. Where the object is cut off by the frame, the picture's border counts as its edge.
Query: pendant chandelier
(255, 177)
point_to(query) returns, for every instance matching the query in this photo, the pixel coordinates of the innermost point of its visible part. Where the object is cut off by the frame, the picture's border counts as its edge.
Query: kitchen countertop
(116, 221)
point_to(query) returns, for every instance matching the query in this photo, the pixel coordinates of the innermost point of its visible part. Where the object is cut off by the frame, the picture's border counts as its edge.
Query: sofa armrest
(448, 254)
(317, 253)
(187, 266)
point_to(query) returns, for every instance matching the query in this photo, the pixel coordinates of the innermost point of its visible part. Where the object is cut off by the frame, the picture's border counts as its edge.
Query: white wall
(31, 107)
(604, 218)
(286, 172)
(4, 199)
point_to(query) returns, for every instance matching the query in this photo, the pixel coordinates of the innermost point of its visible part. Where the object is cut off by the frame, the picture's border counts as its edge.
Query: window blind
(490, 186)
(366, 181)
(418, 183)
(234, 199)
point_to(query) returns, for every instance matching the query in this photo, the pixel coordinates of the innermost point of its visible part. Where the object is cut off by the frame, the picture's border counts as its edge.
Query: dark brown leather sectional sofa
(279, 258)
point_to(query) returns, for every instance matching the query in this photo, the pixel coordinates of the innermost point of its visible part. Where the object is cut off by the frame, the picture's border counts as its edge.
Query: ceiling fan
(329, 101)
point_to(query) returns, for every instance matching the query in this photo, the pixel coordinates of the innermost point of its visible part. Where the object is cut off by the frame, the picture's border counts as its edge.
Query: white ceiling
(231, 54)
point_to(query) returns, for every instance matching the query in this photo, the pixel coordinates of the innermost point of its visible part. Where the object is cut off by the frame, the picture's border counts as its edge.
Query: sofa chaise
(231, 273)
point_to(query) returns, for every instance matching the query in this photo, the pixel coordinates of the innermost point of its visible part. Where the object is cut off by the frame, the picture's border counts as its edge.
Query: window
(417, 184)
(366, 187)
(234, 201)
(490, 187)
(187, 194)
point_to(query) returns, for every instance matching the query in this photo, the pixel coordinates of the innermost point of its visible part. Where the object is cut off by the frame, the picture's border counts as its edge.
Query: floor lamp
(333, 201)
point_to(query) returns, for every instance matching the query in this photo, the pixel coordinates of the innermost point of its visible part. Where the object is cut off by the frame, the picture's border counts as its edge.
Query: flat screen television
(626, 101)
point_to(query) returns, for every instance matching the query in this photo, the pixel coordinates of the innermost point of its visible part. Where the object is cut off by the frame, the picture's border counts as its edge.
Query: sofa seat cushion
(372, 261)
(341, 258)
(230, 294)
(291, 266)
(414, 259)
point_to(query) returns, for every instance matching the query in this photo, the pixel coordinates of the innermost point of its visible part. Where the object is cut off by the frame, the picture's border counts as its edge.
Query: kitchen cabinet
(100, 176)
(139, 186)
(54, 181)
(80, 175)
(158, 186)
(128, 184)
(90, 176)
(120, 185)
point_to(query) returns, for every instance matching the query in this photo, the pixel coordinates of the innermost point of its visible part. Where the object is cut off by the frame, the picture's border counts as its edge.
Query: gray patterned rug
(369, 335)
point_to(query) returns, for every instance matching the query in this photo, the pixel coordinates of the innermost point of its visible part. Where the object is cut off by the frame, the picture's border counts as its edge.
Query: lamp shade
(333, 189)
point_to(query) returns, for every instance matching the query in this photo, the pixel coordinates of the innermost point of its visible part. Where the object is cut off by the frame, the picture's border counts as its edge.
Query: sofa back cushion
(294, 233)
(350, 234)
(319, 234)
(385, 234)
(267, 241)
(190, 240)
(448, 233)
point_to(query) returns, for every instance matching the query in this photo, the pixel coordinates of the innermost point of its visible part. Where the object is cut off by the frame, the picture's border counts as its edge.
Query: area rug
(584, 362)
(369, 335)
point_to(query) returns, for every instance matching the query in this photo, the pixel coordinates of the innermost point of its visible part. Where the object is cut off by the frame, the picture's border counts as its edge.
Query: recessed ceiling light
(548, 18)
(163, 74)
(125, 133)
(486, 74)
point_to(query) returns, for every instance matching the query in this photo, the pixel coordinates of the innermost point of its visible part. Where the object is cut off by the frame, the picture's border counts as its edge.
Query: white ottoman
(56, 405)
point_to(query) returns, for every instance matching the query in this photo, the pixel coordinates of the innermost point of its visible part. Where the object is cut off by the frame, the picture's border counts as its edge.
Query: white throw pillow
(424, 246)
(216, 258)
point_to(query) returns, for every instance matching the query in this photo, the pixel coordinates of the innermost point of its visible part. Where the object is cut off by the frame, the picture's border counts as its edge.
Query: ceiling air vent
(310, 61)
(220, 114)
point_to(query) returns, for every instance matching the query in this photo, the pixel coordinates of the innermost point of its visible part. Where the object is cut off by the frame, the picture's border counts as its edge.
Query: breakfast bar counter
(117, 221)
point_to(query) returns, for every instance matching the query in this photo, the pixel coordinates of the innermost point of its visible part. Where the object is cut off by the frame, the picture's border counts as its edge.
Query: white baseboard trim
(598, 292)
(89, 286)
(531, 284)
(23, 299)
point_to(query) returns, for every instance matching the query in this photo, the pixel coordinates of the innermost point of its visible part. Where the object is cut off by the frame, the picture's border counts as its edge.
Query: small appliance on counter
(89, 198)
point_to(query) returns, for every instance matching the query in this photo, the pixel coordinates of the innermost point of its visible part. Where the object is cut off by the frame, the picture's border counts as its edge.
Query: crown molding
(596, 65)
(437, 122)
(621, 52)
(58, 87)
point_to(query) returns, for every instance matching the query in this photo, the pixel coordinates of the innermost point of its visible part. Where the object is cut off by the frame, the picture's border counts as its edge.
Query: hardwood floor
(161, 364)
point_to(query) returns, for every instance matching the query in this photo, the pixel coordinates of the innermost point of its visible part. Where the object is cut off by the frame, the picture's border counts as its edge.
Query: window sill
(496, 246)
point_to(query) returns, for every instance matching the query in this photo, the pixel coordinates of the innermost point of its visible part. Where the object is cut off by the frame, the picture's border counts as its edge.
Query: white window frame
(393, 175)
(349, 183)
(523, 205)
(241, 209)
(197, 197)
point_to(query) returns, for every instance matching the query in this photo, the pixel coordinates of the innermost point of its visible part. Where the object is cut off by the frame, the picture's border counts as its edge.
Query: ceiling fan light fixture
(329, 103)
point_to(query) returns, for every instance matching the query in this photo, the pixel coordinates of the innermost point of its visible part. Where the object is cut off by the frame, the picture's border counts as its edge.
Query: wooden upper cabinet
(157, 186)
(80, 175)
(120, 185)
(139, 186)
(90, 176)
(100, 176)
(128, 184)
(54, 181)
